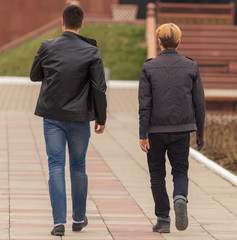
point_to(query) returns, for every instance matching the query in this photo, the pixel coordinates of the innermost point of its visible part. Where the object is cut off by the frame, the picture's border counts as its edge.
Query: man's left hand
(99, 128)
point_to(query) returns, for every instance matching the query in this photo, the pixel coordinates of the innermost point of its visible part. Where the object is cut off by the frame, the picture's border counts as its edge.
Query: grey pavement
(120, 204)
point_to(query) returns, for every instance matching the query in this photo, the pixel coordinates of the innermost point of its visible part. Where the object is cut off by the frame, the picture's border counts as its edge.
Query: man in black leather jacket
(72, 94)
(171, 105)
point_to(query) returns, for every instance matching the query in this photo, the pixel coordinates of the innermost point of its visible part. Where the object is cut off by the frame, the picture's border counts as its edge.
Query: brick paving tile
(27, 191)
(120, 205)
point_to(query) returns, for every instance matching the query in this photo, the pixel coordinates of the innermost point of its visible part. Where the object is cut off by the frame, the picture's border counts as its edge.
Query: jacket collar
(85, 39)
(167, 51)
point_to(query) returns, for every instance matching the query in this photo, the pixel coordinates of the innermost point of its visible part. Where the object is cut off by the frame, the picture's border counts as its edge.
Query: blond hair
(169, 34)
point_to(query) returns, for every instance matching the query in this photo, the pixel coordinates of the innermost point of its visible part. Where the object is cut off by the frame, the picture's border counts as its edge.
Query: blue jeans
(177, 147)
(77, 134)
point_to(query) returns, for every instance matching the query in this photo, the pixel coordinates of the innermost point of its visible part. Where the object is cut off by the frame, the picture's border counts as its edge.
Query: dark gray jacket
(73, 82)
(171, 97)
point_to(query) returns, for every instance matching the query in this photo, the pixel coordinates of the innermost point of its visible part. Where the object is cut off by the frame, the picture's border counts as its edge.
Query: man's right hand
(200, 143)
(99, 128)
(144, 145)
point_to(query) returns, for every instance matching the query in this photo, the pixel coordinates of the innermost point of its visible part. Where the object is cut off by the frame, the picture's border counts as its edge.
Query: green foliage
(221, 141)
(18, 61)
(122, 48)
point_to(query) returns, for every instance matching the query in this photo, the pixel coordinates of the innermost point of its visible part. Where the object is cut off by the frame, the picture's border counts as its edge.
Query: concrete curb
(123, 84)
(26, 81)
(17, 81)
(213, 166)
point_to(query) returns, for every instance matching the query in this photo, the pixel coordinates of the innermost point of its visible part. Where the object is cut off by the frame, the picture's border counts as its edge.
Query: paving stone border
(213, 166)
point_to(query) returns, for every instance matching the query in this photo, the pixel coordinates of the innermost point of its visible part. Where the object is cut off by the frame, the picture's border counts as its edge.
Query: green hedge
(122, 47)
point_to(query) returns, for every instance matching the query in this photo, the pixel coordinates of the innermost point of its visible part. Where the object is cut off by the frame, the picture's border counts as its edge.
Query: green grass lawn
(122, 47)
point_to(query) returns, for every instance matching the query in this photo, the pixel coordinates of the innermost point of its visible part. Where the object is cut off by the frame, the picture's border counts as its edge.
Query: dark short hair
(73, 16)
(168, 43)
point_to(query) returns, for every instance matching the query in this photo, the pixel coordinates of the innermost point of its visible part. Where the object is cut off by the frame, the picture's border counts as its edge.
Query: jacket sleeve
(145, 104)
(37, 72)
(98, 88)
(199, 103)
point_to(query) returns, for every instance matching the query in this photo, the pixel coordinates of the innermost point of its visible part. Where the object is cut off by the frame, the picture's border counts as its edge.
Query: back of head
(169, 34)
(73, 16)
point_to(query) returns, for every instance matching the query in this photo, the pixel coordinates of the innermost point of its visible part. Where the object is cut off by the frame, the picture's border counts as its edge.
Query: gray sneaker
(162, 225)
(181, 215)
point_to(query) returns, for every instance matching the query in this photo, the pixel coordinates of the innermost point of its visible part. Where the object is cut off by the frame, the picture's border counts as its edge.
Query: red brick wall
(97, 7)
(19, 17)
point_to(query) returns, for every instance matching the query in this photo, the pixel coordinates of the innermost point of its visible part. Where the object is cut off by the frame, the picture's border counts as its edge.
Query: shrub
(221, 140)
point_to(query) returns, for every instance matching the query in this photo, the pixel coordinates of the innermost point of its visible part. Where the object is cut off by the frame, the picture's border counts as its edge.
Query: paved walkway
(120, 205)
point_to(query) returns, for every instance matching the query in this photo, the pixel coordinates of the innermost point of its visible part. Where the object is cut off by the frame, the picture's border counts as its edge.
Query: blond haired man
(171, 105)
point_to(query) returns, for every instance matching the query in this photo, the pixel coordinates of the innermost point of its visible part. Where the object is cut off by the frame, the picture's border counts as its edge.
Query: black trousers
(177, 147)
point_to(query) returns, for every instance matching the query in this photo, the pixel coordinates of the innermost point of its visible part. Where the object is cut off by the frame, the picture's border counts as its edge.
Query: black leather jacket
(73, 82)
(171, 96)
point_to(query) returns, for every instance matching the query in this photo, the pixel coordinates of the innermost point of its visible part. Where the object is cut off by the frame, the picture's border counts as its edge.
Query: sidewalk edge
(17, 80)
(213, 166)
(26, 81)
(123, 84)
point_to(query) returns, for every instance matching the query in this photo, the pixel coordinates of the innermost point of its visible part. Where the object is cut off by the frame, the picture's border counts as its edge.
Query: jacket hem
(173, 128)
(66, 117)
